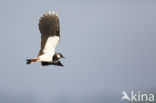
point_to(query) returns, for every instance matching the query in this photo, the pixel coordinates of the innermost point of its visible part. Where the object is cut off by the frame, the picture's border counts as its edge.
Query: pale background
(109, 45)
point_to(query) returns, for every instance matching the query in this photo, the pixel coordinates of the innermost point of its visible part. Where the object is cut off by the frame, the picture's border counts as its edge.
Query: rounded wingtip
(50, 13)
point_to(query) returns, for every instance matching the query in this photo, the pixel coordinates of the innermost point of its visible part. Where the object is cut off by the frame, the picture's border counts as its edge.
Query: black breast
(55, 58)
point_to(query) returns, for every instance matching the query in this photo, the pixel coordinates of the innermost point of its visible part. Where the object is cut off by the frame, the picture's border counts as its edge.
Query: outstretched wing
(50, 34)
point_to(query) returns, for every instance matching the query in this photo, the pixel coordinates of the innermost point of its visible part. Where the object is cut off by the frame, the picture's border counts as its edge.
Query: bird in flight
(50, 35)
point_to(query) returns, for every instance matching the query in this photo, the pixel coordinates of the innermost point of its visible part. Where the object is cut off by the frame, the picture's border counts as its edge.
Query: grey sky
(109, 47)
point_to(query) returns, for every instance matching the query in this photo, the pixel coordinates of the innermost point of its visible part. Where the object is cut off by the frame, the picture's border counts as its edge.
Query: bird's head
(59, 55)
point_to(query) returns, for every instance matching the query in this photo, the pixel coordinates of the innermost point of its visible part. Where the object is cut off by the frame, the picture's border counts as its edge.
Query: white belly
(49, 49)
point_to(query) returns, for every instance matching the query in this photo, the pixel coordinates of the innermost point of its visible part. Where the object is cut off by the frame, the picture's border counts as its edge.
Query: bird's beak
(63, 57)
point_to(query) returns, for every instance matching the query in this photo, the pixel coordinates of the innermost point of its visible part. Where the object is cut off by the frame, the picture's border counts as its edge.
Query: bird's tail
(29, 61)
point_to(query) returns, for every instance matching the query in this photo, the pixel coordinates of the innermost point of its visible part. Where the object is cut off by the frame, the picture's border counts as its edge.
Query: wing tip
(51, 13)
